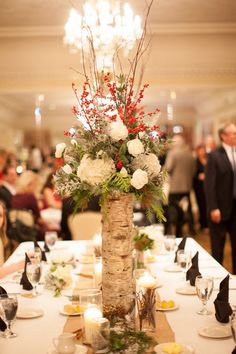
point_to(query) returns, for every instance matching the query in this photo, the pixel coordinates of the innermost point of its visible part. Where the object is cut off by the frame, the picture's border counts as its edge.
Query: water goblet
(184, 260)
(50, 238)
(204, 287)
(8, 308)
(34, 272)
(233, 325)
(169, 243)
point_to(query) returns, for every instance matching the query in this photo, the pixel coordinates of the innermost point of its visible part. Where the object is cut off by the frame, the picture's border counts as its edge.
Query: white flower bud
(60, 149)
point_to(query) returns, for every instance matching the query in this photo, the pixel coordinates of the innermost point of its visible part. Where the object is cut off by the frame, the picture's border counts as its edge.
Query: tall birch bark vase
(117, 245)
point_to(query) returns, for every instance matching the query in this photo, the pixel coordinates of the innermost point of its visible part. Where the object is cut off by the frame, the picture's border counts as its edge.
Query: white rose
(139, 179)
(135, 147)
(147, 162)
(67, 169)
(95, 171)
(60, 149)
(124, 172)
(117, 130)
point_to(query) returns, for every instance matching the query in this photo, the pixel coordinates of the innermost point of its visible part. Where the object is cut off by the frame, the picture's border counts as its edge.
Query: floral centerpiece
(113, 153)
(58, 278)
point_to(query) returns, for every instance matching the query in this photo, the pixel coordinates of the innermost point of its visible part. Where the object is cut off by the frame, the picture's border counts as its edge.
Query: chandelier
(106, 27)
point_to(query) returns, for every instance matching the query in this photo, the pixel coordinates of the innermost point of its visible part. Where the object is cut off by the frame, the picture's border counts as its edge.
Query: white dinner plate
(186, 349)
(168, 309)
(29, 312)
(215, 331)
(65, 313)
(186, 290)
(173, 268)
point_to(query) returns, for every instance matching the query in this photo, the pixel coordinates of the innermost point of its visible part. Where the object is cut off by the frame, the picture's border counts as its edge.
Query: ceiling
(190, 54)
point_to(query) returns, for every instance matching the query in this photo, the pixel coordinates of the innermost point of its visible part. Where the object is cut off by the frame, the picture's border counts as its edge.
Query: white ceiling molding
(165, 28)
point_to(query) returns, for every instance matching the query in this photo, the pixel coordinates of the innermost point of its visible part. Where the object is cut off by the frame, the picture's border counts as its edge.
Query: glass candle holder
(101, 335)
(91, 302)
(90, 297)
(97, 272)
(146, 301)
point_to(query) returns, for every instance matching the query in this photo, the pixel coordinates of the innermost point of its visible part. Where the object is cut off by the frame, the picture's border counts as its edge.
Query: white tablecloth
(35, 335)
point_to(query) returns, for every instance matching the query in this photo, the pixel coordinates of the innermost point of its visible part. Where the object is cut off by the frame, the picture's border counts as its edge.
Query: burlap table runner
(163, 333)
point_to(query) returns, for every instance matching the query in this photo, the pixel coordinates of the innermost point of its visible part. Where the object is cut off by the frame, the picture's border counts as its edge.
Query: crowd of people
(205, 177)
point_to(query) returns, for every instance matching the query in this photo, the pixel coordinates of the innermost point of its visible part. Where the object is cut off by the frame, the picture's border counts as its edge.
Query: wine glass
(233, 325)
(34, 272)
(204, 287)
(8, 307)
(169, 243)
(184, 260)
(50, 238)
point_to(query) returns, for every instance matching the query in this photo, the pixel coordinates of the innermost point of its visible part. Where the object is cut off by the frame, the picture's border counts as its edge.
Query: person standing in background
(180, 164)
(198, 184)
(220, 189)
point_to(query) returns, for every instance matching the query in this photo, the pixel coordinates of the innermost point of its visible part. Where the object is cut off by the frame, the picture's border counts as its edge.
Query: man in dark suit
(220, 188)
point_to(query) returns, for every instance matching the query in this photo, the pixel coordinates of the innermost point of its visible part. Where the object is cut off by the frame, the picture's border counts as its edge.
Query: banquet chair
(84, 225)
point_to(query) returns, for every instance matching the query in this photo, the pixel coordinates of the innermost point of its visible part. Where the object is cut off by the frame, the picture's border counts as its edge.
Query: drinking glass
(204, 287)
(184, 260)
(34, 272)
(169, 243)
(50, 238)
(233, 325)
(8, 308)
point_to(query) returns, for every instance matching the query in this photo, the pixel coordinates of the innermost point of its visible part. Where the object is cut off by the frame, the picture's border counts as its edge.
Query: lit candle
(98, 273)
(149, 257)
(90, 315)
(147, 281)
(97, 240)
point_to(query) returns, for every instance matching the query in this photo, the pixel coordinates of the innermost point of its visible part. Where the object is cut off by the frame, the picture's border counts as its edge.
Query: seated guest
(25, 198)
(50, 198)
(4, 245)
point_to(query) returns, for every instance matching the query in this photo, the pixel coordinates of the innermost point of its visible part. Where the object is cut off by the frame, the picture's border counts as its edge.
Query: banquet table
(35, 335)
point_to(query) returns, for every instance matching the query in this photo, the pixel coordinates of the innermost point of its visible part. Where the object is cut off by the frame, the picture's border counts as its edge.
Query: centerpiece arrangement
(113, 153)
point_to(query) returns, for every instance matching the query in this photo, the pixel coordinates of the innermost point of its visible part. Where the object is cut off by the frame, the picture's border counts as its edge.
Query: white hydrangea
(67, 169)
(147, 162)
(60, 149)
(95, 171)
(117, 130)
(139, 179)
(135, 147)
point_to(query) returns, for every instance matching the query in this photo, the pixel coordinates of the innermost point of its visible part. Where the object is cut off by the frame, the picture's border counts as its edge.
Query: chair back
(84, 225)
(25, 216)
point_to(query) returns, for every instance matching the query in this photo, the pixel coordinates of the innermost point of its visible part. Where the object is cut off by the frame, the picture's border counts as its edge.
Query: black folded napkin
(222, 306)
(36, 245)
(24, 279)
(193, 271)
(3, 325)
(46, 249)
(180, 247)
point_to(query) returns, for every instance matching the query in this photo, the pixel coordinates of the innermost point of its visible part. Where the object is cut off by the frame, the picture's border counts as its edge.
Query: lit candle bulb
(147, 281)
(97, 240)
(149, 257)
(98, 273)
(90, 315)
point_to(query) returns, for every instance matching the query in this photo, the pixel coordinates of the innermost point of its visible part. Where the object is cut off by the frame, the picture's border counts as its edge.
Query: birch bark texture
(117, 245)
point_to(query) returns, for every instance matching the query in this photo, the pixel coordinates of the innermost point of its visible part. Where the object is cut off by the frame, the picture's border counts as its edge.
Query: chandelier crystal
(106, 27)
